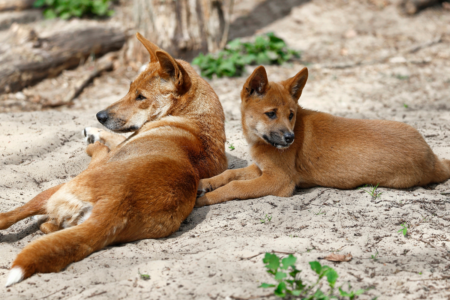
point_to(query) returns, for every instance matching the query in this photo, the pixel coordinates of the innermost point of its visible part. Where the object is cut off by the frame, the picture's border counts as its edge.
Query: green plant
(372, 191)
(405, 105)
(374, 257)
(266, 219)
(320, 212)
(231, 147)
(66, 9)
(401, 77)
(144, 276)
(404, 229)
(291, 285)
(266, 49)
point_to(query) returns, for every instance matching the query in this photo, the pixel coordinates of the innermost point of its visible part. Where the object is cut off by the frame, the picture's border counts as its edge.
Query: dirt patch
(217, 252)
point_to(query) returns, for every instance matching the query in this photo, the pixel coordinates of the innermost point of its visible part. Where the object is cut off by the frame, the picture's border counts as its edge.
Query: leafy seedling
(266, 219)
(320, 212)
(405, 105)
(290, 285)
(374, 257)
(402, 77)
(267, 49)
(231, 147)
(372, 191)
(403, 230)
(66, 9)
(352, 294)
(144, 276)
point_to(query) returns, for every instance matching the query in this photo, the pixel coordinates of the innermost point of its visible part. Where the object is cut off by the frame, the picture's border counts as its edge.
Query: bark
(15, 4)
(36, 59)
(412, 7)
(184, 28)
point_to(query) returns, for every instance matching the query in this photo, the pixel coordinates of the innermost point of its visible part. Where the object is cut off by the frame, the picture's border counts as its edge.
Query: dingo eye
(272, 115)
(291, 116)
(140, 98)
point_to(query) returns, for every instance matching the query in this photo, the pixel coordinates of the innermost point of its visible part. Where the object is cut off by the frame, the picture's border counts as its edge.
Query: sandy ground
(217, 253)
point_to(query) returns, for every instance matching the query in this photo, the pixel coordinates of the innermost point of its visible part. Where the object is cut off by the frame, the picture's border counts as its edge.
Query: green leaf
(296, 292)
(49, 14)
(280, 276)
(288, 261)
(39, 3)
(360, 292)
(316, 267)
(227, 67)
(272, 261)
(65, 15)
(343, 293)
(332, 276)
(234, 45)
(266, 285)
(280, 291)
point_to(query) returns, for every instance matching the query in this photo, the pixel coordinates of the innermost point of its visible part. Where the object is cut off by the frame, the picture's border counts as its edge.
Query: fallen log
(412, 7)
(15, 4)
(40, 58)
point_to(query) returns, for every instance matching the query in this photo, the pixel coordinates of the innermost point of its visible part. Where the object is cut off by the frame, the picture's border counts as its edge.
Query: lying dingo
(296, 147)
(136, 188)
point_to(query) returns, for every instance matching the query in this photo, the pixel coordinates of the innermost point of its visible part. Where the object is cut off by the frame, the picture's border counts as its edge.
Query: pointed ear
(151, 48)
(257, 82)
(171, 68)
(296, 84)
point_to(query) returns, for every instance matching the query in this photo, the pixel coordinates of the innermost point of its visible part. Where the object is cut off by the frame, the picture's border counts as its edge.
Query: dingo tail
(55, 251)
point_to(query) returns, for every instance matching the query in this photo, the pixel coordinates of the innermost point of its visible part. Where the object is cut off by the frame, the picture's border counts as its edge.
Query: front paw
(91, 134)
(204, 187)
(202, 201)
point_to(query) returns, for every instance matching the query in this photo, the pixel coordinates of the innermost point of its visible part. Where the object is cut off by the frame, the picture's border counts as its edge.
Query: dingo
(296, 147)
(136, 188)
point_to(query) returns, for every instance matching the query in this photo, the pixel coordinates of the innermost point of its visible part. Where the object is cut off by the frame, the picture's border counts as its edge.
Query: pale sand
(210, 256)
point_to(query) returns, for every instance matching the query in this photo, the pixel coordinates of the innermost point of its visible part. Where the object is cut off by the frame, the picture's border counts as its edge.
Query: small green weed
(144, 276)
(66, 9)
(266, 49)
(374, 257)
(266, 219)
(404, 229)
(320, 212)
(372, 191)
(291, 285)
(401, 77)
(405, 105)
(231, 147)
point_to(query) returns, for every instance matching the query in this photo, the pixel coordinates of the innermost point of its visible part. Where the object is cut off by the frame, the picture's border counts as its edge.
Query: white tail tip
(15, 276)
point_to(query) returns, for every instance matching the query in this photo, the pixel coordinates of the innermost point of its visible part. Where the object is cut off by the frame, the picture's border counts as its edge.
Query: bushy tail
(55, 251)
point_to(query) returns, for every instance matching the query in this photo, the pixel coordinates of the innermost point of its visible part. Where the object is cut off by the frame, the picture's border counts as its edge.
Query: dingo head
(151, 96)
(269, 108)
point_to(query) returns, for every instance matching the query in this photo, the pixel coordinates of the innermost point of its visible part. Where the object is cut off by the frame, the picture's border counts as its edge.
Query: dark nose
(102, 116)
(288, 137)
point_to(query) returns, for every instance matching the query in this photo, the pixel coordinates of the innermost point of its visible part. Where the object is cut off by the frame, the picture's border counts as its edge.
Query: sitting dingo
(296, 147)
(136, 188)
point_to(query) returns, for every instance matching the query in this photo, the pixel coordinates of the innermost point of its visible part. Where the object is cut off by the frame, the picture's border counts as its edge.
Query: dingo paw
(203, 187)
(91, 134)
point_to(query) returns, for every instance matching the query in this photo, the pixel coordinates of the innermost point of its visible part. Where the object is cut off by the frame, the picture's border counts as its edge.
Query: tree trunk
(34, 59)
(183, 28)
(15, 4)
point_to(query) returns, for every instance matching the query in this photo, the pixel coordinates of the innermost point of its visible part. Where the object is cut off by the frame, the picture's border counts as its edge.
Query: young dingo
(136, 188)
(293, 147)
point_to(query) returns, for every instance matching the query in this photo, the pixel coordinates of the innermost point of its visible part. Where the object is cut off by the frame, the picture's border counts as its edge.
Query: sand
(217, 253)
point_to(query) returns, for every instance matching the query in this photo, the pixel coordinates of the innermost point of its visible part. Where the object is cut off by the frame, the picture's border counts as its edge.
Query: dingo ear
(257, 82)
(296, 84)
(170, 68)
(151, 48)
